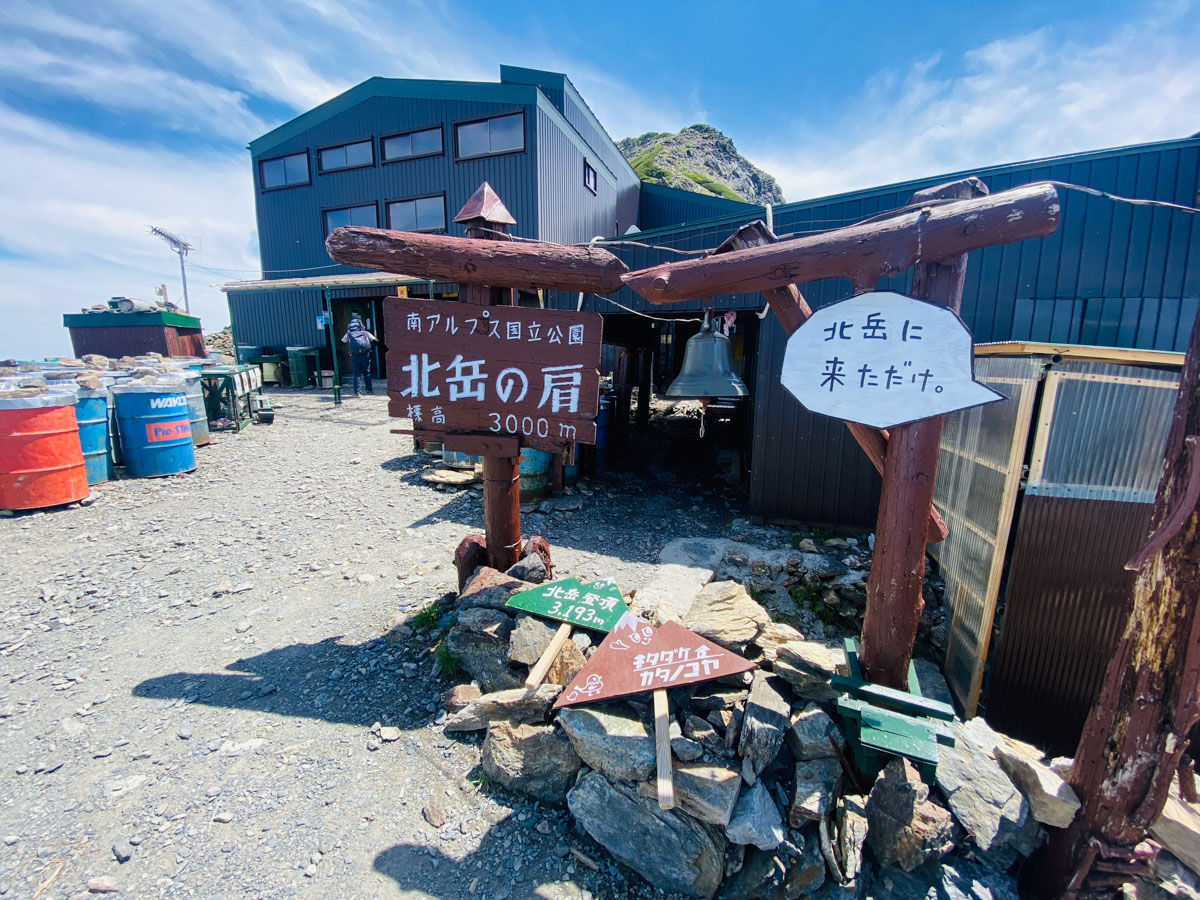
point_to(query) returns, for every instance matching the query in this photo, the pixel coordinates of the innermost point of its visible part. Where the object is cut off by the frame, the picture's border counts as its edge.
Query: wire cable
(614, 242)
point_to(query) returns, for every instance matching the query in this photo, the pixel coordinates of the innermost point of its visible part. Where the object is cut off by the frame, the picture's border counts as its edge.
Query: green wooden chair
(880, 719)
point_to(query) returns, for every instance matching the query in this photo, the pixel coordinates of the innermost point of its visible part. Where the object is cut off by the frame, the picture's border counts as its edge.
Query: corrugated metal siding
(279, 319)
(276, 319)
(660, 205)
(567, 211)
(576, 112)
(1103, 267)
(1067, 602)
(979, 470)
(557, 88)
(291, 230)
(805, 467)
(1101, 432)
(1094, 466)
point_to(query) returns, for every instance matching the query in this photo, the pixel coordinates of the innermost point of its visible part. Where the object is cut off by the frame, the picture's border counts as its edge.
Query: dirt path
(190, 669)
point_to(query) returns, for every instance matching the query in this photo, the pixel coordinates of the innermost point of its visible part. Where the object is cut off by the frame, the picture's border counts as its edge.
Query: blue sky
(126, 113)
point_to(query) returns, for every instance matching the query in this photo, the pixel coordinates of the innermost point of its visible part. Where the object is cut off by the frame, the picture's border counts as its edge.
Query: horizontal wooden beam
(864, 253)
(498, 263)
(793, 310)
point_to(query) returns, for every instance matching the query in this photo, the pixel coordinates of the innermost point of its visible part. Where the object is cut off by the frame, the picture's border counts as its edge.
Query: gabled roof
(416, 88)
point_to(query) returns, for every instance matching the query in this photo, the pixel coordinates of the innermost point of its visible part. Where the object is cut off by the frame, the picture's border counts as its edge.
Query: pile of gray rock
(767, 802)
(821, 587)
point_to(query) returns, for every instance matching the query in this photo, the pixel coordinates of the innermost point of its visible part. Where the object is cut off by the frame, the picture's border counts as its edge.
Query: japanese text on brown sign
(499, 370)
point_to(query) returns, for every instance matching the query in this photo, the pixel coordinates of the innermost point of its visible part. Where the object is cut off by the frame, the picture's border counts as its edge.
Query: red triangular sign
(636, 658)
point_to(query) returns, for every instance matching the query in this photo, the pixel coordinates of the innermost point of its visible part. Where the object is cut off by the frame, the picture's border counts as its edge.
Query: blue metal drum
(156, 433)
(91, 412)
(534, 471)
(602, 421)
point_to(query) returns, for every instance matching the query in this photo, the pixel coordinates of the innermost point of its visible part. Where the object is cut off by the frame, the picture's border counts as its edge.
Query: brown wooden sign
(636, 658)
(494, 371)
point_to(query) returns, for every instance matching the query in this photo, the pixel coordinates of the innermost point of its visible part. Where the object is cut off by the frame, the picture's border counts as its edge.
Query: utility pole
(180, 246)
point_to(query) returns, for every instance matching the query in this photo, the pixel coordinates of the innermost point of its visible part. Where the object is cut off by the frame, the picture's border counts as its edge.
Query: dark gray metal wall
(1113, 274)
(1068, 600)
(662, 206)
(542, 187)
(567, 211)
(566, 99)
(291, 230)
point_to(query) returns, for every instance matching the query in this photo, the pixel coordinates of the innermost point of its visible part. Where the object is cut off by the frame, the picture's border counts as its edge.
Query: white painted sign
(883, 359)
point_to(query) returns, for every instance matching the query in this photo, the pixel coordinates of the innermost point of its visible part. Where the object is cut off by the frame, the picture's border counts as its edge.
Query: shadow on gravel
(356, 684)
(436, 875)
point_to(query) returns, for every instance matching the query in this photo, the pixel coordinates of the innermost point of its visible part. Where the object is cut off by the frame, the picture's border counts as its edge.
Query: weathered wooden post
(1138, 727)
(498, 378)
(934, 234)
(894, 598)
(793, 310)
(486, 218)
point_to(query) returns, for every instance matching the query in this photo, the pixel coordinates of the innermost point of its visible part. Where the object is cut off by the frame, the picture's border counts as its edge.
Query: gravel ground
(190, 668)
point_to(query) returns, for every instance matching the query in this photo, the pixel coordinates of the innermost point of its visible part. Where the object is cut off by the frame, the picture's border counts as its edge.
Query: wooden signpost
(933, 234)
(598, 606)
(636, 658)
(463, 374)
(883, 359)
(489, 381)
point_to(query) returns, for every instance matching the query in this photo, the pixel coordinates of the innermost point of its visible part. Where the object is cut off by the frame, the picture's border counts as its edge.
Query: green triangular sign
(597, 606)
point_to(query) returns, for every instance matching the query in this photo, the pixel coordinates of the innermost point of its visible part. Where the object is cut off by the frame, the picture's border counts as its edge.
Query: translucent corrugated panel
(1101, 432)
(979, 471)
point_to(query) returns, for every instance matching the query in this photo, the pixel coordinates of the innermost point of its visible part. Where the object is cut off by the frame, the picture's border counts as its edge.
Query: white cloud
(74, 229)
(1023, 97)
(178, 103)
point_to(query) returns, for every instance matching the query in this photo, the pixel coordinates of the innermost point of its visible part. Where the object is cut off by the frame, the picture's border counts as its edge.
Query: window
(347, 156)
(503, 134)
(426, 142)
(589, 177)
(351, 215)
(284, 171)
(422, 214)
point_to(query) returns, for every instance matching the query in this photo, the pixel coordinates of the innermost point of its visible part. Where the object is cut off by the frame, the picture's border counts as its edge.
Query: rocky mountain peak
(701, 159)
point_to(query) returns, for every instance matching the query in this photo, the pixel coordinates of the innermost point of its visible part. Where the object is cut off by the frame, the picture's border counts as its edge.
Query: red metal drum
(41, 461)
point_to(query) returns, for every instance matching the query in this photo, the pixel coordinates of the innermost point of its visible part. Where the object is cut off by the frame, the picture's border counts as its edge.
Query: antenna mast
(180, 246)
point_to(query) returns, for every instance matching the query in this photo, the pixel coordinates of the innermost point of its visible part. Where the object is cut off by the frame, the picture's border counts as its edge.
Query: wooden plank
(863, 253)
(793, 310)
(1083, 352)
(1008, 505)
(474, 444)
(899, 745)
(538, 673)
(886, 720)
(914, 686)
(850, 645)
(662, 750)
(896, 699)
(502, 370)
(497, 263)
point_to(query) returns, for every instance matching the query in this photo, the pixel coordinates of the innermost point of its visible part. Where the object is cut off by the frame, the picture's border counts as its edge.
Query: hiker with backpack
(359, 341)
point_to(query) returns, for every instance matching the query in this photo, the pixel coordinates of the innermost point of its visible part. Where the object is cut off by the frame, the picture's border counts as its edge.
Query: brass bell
(707, 371)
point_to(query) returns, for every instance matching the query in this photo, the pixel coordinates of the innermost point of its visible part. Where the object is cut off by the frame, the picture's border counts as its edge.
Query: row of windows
(487, 137)
(420, 214)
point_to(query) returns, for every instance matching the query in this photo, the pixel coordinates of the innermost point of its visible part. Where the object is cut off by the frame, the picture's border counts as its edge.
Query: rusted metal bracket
(1184, 509)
